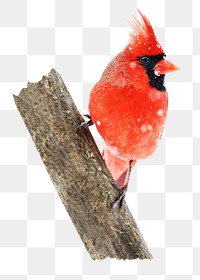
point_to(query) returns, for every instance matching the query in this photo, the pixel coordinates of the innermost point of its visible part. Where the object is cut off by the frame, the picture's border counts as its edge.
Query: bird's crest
(142, 38)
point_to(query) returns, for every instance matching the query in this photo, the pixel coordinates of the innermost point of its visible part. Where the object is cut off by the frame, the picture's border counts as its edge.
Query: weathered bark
(78, 172)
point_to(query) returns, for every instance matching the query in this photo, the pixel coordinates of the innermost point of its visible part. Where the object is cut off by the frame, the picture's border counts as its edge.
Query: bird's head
(144, 52)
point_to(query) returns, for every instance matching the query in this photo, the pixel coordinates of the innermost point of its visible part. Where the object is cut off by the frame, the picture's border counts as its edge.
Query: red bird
(129, 103)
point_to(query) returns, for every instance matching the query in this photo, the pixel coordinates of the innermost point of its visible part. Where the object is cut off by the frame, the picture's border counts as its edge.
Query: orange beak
(164, 66)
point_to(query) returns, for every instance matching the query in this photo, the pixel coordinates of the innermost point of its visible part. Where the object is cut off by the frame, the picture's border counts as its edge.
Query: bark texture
(78, 172)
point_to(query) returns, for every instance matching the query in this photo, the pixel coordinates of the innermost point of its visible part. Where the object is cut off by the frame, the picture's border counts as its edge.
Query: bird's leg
(122, 191)
(120, 198)
(88, 123)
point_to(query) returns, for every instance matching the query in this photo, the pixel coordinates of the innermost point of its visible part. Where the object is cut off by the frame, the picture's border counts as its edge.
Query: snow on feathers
(142, 38)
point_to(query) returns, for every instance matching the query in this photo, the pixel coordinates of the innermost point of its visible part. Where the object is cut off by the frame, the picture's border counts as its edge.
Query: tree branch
(78, 172)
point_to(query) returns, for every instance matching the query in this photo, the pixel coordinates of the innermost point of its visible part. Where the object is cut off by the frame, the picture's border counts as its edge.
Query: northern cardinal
(129, 103)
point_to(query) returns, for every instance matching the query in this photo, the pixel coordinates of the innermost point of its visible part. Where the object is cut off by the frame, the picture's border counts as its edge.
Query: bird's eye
(145, 60)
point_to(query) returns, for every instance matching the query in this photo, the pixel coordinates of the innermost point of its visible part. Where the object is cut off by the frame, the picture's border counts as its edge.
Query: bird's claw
(122, 192)
(88, 123)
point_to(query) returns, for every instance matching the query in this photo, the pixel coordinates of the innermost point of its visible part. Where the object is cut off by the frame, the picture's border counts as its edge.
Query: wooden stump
(78, 172)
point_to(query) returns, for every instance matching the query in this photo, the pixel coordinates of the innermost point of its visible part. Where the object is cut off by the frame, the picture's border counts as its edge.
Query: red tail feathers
(118, 167)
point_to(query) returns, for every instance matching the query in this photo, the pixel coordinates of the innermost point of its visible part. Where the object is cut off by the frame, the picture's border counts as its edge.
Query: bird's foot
(88, 123)
(122, 192)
